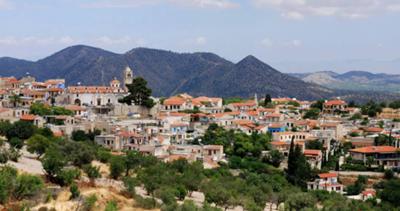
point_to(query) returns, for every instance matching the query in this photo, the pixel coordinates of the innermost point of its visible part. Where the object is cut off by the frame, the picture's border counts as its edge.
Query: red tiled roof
(28, 117)
(174, 101)
(375, 149)
(247, 103)
(335, 102)
(373, 130)
(327, 175)
(312, 152)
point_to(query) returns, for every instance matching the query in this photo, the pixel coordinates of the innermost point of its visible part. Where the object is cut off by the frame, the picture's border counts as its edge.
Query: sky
(294, 35)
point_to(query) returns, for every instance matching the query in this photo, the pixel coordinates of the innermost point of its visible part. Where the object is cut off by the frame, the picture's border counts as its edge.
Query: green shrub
(67, 176)
(91, 171)
(111, 206)
(27, 185)
(75, 193)
(103, 155)
(145, 203)
(117, 166)
(89, 202)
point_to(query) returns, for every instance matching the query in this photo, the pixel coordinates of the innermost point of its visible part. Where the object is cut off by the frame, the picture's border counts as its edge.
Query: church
(100, 96)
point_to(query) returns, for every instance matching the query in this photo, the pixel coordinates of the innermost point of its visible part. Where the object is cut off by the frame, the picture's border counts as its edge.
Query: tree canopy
(139, 93)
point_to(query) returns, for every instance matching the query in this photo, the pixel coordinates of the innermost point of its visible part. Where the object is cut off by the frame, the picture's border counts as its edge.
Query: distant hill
(354, 80)
(169, 73)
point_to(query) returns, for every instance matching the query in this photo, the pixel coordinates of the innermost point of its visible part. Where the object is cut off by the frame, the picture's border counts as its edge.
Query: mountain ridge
(168, 72)
(356, 80)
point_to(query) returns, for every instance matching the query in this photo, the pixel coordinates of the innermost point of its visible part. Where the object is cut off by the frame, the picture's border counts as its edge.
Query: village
(339, 140)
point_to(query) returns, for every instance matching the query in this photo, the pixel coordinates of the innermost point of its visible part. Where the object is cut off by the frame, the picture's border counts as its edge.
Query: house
(243, 106)
(109, 141)
(328, 182)
(333, 106)
(34, 119)
(210, 105)
(176, 103)
(276, 128)
(314, 158)
(386, 156)
(335, 126)
(288, 136)
(368, 194)
(284, 147)
(274, 118)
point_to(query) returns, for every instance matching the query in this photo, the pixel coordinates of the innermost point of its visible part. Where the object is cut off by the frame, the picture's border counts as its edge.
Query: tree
(267, 100)
(8, 177)
(298, 171)
(275, 158)
(27, 185)
(91, 171)
(313, 113)
(133, 159)
(38, 144)
(139, 93)
(358, 186)
(314, 144)
(391, 192)
(16, 142)
(300, 201)
(79, 135)
(53, 162)
(21, 129)
(117, 166)
(318, 105)
(389, 174)
(5, 126)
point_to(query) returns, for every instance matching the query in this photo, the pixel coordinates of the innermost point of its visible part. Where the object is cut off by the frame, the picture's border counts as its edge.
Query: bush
(75, 193)
(389, 174)
(16, 143)
(3, 156)
(130, 184)
(27, 185)
(103, 155)
(91, 171)
(167, 196)
(145, 203)
(111, 206)
(117, 166)
(8, 177)
(89, 202)
(14, 155)
(67, 176)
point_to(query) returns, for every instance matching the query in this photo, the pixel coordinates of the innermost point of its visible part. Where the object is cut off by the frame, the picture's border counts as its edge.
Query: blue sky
(279, 32)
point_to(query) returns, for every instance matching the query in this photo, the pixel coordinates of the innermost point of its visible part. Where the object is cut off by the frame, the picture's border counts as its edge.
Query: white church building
(99, 96)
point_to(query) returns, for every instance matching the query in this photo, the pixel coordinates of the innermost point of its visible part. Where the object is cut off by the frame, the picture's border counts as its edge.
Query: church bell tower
(128, 76)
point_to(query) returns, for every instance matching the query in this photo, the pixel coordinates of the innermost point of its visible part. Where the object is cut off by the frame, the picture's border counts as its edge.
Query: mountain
(354, 80)
(169, 73)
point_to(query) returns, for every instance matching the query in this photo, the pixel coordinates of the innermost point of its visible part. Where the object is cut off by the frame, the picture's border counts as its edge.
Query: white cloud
(28, 40)
(267, 42)
(352, 9)
(201, 40)
(66, 40)
(222, 4)
(125, 40)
